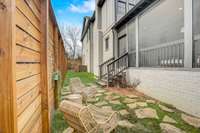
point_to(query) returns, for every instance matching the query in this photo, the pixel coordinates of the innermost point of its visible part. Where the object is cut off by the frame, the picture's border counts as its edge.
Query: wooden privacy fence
(31, 51)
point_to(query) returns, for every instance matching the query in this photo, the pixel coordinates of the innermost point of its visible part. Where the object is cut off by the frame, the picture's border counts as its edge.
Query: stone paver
(123, 112)
(108, 93)
(168, 119)
(166, 108)
(151, 101)
(129, 100)
(125, 123)
(101, 91)
(146, 113)
(191, 120)
(132, 105)
(98, 94)
(68, 130)
(168, 128)
(111, 97)
(107, 108)
(65, 93)
(101, 103)
(92, 100)
(141, 104)
(132, 96)
(115, 102)
(137, 104)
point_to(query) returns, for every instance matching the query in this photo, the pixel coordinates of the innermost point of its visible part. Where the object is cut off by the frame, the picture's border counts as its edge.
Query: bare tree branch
(71, 36)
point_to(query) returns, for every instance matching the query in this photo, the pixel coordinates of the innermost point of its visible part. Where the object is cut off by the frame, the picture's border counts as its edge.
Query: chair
(88, 119)
(77, 87)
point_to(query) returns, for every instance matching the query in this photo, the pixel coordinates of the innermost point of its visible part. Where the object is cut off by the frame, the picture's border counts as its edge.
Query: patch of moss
(118, 107)
(151, 124)
(58, 124)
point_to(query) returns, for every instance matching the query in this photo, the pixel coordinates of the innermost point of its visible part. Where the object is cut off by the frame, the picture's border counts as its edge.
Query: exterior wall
(108, 15)
(96, 46)
(107, 54)
(86, 51)
(178, 88)
(108, 20)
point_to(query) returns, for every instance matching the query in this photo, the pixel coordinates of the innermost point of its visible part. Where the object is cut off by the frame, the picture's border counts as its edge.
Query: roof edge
(140, 6)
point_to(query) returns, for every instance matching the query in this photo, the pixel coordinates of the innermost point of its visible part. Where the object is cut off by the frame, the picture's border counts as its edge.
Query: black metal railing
(196, 51)
(167, 55)
(117, 66)
(103, 67)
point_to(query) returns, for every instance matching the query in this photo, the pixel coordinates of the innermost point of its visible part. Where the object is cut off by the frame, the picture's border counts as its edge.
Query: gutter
(139, 7)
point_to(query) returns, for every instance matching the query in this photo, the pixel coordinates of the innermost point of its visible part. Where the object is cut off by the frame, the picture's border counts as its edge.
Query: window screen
(161, 35)
(196, 25)
(132, 43)
(121, 8)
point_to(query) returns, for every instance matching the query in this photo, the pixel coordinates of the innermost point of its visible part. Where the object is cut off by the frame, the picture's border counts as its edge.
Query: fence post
(188, 33)
(137, 40)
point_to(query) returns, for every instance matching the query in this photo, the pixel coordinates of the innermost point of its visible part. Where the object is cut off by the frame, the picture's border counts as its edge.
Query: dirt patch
(125, 91)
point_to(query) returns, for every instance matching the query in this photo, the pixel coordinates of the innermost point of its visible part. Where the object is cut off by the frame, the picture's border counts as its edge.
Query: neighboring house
(156, 42)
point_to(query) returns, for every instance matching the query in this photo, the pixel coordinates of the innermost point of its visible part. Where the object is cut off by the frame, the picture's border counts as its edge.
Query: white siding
(86, 52)
(108, 15)
(107, 54)
(95, 50)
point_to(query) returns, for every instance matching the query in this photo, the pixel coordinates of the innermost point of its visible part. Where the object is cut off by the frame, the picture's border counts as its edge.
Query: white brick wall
(178, 88)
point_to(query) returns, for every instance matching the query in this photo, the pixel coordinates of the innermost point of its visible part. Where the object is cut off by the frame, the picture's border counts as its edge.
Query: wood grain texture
(7, 71)
(23, 86)
(38, 4)
(26, 70)
(33, 121)
(26, 115)
(31, 49)
(24, 8)
(38, 126)
(26, 55)
(44, 82)
(27, 99)
(24, 39)
(34, 8)
(26, 25)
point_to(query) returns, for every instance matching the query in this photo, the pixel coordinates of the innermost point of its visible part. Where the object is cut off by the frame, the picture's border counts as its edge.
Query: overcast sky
(71, 12)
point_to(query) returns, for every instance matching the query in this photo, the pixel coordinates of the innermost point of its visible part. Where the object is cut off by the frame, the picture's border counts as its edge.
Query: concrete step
(101, 83)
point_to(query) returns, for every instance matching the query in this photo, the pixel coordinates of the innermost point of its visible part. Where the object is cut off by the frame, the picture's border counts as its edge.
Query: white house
(154, 41)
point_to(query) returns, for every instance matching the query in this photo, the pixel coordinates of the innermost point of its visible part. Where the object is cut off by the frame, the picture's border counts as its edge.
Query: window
(107, 44)
(121, 8)
(196, 25)
(161, 41)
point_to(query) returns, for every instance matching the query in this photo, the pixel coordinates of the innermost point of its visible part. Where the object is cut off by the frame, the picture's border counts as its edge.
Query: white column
(137, 40)
(188, 33)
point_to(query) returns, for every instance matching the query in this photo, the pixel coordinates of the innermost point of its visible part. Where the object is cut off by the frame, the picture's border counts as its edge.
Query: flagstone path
(141, 114)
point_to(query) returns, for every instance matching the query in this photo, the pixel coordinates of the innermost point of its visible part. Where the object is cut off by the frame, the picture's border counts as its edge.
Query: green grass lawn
(85, 77)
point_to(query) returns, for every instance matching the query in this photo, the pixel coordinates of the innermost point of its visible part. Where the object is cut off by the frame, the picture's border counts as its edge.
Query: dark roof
(139, 7)
(93, 17)
(86, 26)
(100, 3)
